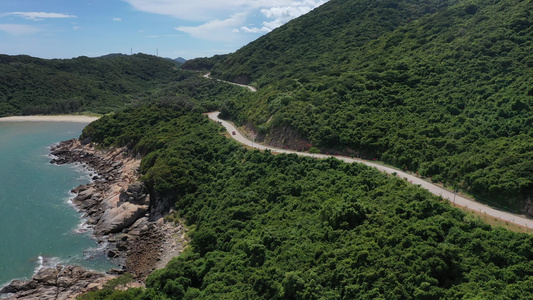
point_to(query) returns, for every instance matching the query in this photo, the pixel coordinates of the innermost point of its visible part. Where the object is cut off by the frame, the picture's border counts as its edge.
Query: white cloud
(282, 14)
(19, 29)
(287, 12)
(117, 19)
(217, 30)
(197, 10)
(247, 29)
(224, 20)
(38, 16)
(203, 10)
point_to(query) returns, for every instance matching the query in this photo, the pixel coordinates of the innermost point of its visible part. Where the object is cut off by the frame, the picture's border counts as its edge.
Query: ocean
(38, 225)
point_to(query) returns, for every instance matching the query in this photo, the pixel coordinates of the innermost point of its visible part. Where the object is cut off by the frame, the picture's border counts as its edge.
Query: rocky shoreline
(120, 213)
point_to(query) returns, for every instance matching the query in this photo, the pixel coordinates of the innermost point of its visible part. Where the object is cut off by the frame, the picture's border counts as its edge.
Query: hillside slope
(36, 86)
(447, 95)
(266, 226)
(320, 41)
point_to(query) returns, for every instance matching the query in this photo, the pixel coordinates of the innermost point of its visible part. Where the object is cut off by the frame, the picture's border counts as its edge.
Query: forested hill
(37, 86)
(266, 226)
(442, 88)
(319, 41)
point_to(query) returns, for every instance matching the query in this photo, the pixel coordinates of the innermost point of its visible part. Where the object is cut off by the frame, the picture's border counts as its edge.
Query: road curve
(437, 190)
(251, 88)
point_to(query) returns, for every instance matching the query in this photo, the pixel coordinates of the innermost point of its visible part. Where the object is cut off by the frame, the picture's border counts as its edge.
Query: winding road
(437, 190)
(251, 88)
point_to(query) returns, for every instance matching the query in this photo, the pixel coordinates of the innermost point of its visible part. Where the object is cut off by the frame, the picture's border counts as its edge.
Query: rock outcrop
(61, 282)
(116, 219)
(116, 207)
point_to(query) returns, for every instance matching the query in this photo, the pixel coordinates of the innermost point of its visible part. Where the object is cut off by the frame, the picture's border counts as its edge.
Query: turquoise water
(36, 219)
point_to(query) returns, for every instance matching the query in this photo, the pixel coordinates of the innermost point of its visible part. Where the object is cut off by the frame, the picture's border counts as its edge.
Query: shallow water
(37, 223)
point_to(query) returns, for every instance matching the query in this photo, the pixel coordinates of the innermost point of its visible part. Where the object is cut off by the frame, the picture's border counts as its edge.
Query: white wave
(93, 252)
(71, 196)
(83, 228)
(85, 172)
(46, 262)
(40, 261)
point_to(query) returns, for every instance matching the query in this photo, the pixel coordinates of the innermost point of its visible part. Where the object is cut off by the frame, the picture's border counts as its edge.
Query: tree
(314, 150)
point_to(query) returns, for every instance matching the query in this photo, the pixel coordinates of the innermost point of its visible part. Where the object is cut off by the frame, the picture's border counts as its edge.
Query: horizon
(60, 29)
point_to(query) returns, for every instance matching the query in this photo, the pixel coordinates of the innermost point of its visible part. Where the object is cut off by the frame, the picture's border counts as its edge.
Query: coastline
(118, 209)
(58, 118)
(119, 213)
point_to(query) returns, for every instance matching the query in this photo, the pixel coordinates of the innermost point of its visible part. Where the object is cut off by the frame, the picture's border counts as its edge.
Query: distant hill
(179, 61)
(203, 63)
(442, 88)
(37, 86)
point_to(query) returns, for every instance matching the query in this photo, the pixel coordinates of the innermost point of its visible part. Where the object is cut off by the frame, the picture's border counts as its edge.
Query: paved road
(437, 190)
(251, 88)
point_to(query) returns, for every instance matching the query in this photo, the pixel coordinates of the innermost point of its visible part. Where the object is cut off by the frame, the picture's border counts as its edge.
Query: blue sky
(171, 28)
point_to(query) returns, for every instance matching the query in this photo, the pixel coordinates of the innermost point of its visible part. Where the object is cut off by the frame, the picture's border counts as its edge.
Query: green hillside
(442, 88)
(266, 226)
(36, 86)
(320, 41)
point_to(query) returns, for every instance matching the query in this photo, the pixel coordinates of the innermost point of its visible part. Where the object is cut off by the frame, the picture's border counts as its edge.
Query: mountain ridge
(99, 85)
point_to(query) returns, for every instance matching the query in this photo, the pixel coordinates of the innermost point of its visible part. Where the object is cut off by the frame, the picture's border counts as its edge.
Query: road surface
(437, 190)
(251, 88)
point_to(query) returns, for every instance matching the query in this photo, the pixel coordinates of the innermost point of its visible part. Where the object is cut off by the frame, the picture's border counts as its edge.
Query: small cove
(37, 223)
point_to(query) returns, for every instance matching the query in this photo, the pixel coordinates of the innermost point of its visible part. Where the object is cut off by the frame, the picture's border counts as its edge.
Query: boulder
(17, 286)
(47, 276)
(134, 193)
(116, 219)
(70, 275)
(144, 200)
(88, 204)
(112, 253)
(86, 194)
(139, 226)
(59, 283)
(87, 140)
(59, 152)
(111, 201)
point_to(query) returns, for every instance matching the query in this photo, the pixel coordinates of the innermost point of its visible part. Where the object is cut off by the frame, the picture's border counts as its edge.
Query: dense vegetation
(439, 87)
(442, 88)
(203, 64)
(37, 86)
(267, 226)
(101, 85)
(318, 42)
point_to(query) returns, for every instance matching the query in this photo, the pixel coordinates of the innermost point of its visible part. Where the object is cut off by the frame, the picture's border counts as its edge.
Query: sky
(168, 28)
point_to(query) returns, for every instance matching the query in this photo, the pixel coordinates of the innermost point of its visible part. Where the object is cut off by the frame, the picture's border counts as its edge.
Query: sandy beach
(65, 118)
